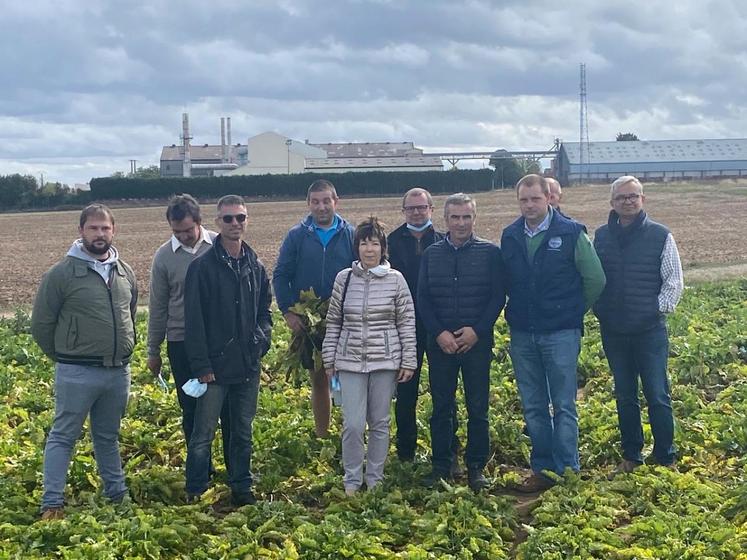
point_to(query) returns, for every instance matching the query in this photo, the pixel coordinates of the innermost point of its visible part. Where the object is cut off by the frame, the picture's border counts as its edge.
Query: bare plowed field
(708, 222)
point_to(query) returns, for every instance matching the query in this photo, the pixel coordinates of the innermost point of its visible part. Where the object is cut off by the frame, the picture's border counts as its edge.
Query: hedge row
(294, 186)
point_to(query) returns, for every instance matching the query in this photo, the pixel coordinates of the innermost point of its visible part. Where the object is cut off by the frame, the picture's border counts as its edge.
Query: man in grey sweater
(166, 304)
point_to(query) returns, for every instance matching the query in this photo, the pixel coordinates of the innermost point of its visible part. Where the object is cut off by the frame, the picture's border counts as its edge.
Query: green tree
(508, 170)
(149, 172)
(626, 136)
(17, 190)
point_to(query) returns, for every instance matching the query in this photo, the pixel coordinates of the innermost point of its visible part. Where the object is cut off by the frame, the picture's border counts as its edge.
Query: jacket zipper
(364, 330)
(456, 283)
(114, 319)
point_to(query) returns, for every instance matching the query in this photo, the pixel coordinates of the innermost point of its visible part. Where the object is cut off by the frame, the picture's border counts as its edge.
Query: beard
(97, 249)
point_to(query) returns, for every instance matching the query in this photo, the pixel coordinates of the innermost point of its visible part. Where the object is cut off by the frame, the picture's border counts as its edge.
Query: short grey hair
(624, 180)
(415, 191)
(457, 199)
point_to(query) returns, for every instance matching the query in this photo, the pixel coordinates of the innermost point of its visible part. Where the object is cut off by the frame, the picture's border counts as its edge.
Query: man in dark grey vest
(644, 283)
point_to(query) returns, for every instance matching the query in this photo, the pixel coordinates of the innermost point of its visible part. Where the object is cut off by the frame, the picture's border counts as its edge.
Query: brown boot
(53, 514)
(534, 484)
(626, 466)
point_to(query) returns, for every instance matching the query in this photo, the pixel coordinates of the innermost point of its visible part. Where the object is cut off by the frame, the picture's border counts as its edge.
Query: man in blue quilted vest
(644, 283)
(553, 277)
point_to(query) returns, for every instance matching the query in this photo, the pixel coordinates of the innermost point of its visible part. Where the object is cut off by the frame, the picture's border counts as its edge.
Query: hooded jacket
(84, 312)
(378, 330)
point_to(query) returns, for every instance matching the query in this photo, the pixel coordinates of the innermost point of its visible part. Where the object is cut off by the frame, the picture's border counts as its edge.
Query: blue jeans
(80, 391)
(242, 404)
(545, 368)
(642, 355)
(443, 372)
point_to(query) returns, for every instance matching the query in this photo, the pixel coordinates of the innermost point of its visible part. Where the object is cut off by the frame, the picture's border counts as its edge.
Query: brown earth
(707, 221)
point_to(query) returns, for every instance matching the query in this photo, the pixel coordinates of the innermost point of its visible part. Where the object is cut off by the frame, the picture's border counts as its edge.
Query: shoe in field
(53, 514)
(534, 484)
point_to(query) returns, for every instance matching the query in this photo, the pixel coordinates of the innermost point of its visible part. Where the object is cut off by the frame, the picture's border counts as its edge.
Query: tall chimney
(228, 139)
(223, 139)
(187, 162)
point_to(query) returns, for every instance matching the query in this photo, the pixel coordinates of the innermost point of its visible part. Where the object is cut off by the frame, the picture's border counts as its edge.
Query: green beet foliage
(698, 513)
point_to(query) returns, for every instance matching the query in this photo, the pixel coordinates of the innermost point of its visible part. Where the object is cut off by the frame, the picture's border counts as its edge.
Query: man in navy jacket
(311, 255)
(460, 296)
(406, 246)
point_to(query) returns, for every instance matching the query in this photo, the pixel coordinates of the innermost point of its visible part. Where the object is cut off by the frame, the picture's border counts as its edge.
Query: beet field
(697, 513)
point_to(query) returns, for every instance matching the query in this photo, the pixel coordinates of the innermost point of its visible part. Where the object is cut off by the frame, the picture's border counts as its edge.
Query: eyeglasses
(228, 218)
(412, 209)
(633, 197)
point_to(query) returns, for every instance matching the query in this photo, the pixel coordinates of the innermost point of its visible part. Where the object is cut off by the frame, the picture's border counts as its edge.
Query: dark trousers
(443, 371)
(242, 400)
(642, 355)
(182, 373)
(406, 404)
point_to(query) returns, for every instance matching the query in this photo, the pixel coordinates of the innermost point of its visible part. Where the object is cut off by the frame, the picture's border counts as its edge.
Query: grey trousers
(366, 399)
(101, 392)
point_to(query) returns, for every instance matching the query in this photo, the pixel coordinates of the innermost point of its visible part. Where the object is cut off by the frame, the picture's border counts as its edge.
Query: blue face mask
(424, 227)
(194, 388)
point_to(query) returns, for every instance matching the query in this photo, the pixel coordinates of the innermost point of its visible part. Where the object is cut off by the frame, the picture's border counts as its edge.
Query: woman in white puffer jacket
(370, 344)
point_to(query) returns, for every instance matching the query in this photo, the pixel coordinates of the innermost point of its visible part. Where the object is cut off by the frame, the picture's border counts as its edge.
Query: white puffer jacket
(378, 333)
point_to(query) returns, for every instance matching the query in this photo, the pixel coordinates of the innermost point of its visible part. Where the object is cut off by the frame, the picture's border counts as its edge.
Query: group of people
(392, 299)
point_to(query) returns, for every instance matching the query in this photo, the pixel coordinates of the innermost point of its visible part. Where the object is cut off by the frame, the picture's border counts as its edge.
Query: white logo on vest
(555, 243)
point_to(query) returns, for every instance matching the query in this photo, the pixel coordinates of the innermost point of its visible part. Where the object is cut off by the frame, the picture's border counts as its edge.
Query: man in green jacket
(84, 320)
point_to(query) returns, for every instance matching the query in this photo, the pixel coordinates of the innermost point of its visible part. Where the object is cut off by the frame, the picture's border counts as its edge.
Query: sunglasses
(228, 218)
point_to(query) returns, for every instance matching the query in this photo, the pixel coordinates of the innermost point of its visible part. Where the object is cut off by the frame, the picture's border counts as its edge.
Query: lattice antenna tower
(583, 126)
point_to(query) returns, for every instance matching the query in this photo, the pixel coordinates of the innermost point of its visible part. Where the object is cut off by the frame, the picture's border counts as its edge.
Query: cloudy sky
(88, 85)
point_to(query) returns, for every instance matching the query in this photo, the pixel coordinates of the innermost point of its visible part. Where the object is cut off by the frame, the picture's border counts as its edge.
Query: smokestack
(187, 163)
(223, 139)
(228, 139)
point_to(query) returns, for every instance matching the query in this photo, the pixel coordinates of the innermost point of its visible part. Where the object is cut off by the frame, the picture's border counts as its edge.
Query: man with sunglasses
(644, 283)
(406, 246)
(188, 241)
(311, 255)
(227, 331)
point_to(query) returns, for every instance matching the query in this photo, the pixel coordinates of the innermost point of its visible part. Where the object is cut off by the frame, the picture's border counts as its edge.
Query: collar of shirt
(544, 225)
(456, 248)
(319, 228)
(204, 238)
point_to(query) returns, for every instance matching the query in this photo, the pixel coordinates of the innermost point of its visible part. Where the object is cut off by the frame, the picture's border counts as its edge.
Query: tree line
(19, 192)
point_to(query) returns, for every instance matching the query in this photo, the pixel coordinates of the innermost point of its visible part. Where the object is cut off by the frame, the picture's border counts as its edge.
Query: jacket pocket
(261, 343)
(386, 344)
(345, 343)
(72, 333)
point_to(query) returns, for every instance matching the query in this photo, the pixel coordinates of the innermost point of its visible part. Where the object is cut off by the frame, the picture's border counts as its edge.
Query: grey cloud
(91, 81)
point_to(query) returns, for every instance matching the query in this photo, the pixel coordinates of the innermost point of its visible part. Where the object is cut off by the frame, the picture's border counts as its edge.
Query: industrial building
(271, 152)
(653, 160)
(186, 160)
